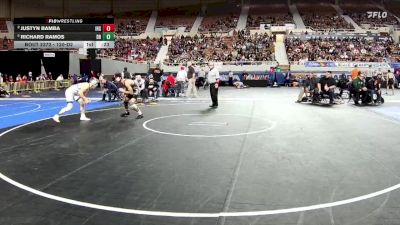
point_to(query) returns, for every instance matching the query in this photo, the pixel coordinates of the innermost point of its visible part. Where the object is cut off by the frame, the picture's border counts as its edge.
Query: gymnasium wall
(128, 5)
(5, 9)
(84, 7)
(67, 8)
(36, 8)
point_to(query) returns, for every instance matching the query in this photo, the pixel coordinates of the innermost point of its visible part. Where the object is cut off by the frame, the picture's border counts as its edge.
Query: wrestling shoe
(139, 117)
(84, 118)
(125, 114)
(56, 118)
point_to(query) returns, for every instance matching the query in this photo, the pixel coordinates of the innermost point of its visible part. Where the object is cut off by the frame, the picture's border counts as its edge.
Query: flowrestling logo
(376, 15)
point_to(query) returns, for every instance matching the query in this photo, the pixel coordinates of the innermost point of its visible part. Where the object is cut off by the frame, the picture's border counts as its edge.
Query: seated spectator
(152, 88)
(254, 21)
(362, 18)
(134, 25)
(133, 49)
(329, 21)
(358, 49)
(174, 18)
(24, 79)
(326, 85)
(219, 23)
(4, 92)
(241, 47)
(359, 89)
(169, 84)
(18, 78)
(309, 86)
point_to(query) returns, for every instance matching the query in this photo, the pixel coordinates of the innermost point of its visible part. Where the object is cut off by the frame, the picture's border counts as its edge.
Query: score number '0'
(108, 28)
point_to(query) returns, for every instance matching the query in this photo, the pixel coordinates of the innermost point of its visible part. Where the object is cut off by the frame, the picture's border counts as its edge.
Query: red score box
(108, 27)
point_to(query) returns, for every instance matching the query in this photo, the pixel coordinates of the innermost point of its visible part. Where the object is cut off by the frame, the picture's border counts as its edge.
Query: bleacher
(274, 14)
(358, 12)
(220, 18)
(345, 49)
(133, 23)
(393, 8)
(174, 18)
(133, 50)
(322, 16)
(239, 47)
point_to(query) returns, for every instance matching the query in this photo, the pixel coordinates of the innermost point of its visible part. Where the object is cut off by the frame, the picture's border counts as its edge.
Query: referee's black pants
(214, 94)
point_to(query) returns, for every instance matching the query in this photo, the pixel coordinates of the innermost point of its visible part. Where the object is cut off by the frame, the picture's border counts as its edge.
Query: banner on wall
(320, 64)
(347, 64)
(396, 67)
(364, 65)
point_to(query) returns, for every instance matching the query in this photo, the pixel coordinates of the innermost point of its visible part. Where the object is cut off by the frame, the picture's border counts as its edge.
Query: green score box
(108, 36)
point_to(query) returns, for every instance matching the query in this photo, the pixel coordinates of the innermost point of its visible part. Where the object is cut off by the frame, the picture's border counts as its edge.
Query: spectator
(157, 75)
(18, 78)
(24, 79)
(355, 73)
(326, 85)
(191, 76)
(126, 73)
(341, 49)
(141, 87)
(219, 23)
(152, 88)
(329, 21)
(30, 77)
(240, 47)
(133, 49)
(254, 21)
(60, 78)
(181, 78)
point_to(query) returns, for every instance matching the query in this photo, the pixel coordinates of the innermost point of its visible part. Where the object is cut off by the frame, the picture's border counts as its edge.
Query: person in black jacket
(110, 89)
(343, 83)
(327, 86)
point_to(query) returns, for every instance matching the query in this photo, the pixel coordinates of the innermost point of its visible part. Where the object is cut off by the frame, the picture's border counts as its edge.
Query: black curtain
(21, 62)
(86, 65)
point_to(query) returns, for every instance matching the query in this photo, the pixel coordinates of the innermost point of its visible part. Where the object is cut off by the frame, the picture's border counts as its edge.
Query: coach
(213, 79)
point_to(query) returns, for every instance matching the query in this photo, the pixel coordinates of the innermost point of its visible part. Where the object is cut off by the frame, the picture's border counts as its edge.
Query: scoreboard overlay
(74, 33)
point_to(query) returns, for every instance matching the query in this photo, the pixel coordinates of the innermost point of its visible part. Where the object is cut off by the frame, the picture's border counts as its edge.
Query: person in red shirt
(24, 79)
(93, 74)
(168, 83)
(19, 78)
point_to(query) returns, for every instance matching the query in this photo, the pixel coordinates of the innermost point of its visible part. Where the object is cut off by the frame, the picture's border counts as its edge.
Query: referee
(213, 79)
